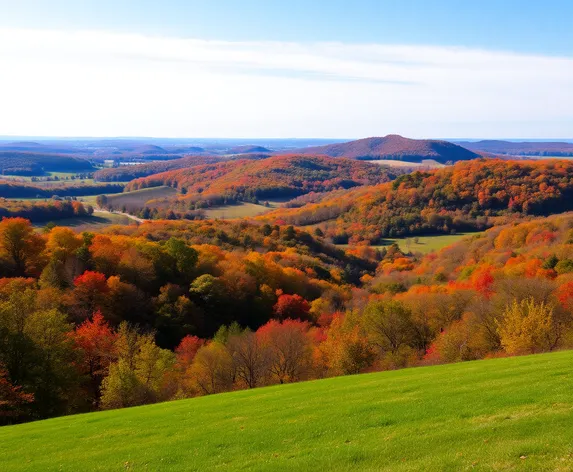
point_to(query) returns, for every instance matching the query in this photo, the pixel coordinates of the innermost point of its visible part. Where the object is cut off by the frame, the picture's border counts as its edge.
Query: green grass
(427, 244)
(424, 244)
(140, 197)
(53, 183)
(502, 414)
(240, 210)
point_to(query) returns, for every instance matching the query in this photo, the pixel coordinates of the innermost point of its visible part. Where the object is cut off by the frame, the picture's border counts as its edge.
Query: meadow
(96, 221)
(500, 414)
(138, 198)
(421, 244)
(241, 210)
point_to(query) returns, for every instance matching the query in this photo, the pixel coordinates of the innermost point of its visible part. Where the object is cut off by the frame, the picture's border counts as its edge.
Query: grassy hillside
(503, 414)
(421, 244)
(139, 198)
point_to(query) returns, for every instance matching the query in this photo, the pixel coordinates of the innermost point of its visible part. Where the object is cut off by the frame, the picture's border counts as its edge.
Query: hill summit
(396, 147)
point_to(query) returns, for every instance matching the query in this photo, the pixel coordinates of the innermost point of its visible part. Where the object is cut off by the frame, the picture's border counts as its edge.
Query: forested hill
(397, 148)
(131, 172)
(34, 163)
(469, 195)
(275, 177)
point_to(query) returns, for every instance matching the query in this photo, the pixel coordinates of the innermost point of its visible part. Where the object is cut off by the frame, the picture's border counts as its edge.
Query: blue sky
(516, 25)
(291, 68)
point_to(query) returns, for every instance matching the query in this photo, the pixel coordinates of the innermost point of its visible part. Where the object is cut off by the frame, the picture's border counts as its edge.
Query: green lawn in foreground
(502, 414)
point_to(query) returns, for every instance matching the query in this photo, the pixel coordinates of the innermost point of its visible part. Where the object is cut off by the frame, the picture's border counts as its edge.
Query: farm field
(241, 210)
(97, 221)
(140, 197)
(425, 164)
(422, 244)
(501, 414)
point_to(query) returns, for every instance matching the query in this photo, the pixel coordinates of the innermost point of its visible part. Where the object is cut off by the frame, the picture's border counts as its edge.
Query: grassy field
(61, 175)
(425, 164)
(422, 244)
(140, 197)
(503, 414)
(241, 210)
(97, 221)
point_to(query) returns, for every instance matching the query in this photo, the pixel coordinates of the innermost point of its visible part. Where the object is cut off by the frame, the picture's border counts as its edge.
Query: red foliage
(187, 349)
(291, 306)
(12, 398)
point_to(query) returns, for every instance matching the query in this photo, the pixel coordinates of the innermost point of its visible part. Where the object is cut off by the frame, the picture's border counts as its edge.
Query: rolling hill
(127, 173)
(248, 149)
(38, 163)
(501, 414)
(468, 196)
(276, 177)
(396, 148)
(557, 149)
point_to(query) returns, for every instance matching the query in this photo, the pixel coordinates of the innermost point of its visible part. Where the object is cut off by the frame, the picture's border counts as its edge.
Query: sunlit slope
(502, 414)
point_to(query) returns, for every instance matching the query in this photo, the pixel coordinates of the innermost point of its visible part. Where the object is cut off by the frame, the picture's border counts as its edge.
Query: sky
(277, 69)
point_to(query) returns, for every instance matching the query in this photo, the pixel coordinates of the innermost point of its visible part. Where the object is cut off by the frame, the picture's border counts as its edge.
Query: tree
(187, 349)
(288, 349)
(212, 369)
(20, 245)
(13, 400)
(291, 306)
(185, 256)
(95, 341)
(389, 325)
(138, 376)
(250, 358)
(121, 388)
(527, 327)
(88, 294)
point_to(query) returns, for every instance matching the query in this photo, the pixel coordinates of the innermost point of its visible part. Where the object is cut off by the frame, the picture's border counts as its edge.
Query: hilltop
(396, 148)
(248, 149)
(510, 414)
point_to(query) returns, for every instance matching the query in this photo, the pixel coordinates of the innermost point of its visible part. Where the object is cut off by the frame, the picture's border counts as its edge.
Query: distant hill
(463, 197)
(248, 149)
(541, 149)
(38, 163)
(127, 173)
(395, 147)
(278, 177)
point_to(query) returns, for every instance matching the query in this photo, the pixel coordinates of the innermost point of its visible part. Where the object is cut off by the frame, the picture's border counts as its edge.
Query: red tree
(88, 294)
(291, 306)
(94, 339)
(187, 349)
(12, 399)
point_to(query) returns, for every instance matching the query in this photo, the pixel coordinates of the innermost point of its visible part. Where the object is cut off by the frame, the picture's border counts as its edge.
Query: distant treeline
(127, 173)
(10, 189)
(38, 212)
(32, 163)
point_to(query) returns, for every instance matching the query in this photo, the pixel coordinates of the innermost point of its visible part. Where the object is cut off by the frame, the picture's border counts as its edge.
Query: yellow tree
(527, 327)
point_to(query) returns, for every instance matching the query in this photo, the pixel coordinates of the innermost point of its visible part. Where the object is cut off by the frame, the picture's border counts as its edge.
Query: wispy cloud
(102, 83)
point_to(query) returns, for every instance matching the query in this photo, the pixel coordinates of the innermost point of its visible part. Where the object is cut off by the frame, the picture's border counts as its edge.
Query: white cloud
(107, 84)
